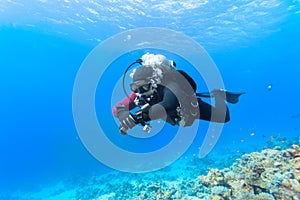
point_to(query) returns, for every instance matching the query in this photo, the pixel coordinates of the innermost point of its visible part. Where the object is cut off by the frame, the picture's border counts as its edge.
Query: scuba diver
(162, 92)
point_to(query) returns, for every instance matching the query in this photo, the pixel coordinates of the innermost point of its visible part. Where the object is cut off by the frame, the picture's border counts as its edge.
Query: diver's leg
(217, 113)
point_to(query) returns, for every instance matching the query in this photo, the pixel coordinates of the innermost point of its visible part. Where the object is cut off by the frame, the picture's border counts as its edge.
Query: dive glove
(127, 120)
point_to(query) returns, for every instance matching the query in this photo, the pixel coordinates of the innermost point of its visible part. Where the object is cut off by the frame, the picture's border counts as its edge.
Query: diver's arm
(127, 103)
(160, 110)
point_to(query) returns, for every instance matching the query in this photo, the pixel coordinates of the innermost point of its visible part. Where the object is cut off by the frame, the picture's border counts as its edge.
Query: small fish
(295, 116)
(270, 87)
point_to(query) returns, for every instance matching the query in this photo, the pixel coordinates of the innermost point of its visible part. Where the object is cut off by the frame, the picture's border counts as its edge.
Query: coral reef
(270, 174)
(267, 175)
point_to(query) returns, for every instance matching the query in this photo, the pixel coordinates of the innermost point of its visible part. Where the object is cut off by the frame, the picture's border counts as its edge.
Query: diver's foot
(230, 97)
(219, 94)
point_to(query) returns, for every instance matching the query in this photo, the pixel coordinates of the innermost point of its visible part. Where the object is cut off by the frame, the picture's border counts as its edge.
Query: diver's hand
(127, 120)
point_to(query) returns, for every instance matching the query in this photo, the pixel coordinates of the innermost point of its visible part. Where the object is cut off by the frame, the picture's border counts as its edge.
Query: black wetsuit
(164, 104)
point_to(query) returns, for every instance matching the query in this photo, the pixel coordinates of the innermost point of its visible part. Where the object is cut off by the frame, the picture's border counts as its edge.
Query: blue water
(39, 60)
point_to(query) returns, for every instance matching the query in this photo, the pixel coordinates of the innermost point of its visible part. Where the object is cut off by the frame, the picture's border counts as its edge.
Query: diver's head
(142, 73)
(147, 77)
(145, 80)
(141, 86)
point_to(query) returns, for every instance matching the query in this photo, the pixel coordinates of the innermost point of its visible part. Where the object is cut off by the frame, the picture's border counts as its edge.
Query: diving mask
(141, 86)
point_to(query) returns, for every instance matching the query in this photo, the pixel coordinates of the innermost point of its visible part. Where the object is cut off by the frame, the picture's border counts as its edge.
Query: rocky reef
(266, 175)
(272, 174)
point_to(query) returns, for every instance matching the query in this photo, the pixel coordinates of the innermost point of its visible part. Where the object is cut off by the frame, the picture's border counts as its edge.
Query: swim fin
(231, 97)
